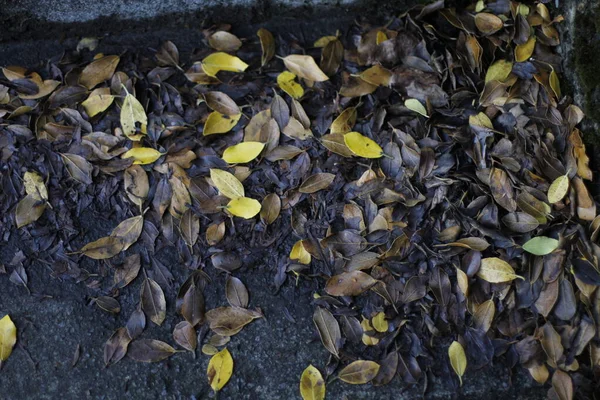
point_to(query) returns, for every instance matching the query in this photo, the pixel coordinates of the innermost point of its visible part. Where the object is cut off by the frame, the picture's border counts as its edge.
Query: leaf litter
(430, 172)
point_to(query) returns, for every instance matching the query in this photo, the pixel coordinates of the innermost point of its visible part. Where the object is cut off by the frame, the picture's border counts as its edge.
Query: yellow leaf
(525, 50)
(499, 71)
(220, 369)
(379, 322)
(132, 112)
(228, 185)
(458, 359)
(244, 207)
(142, 155)
(558, 189)
(8, 337)
(324, 41)
(243, 152)
(463, 281)
(377, 75)
(495, 270)
(381, 37)
(368, 340)
(129, 230)
(216, 62)
(416, 106)
(287, 83)
(99, 100)
(345, 121)
(305, 67)
(362, 146)
(299, 253)
(220, 123)
(481, 120)
(34, 185)
(312, 385)
(555, 83)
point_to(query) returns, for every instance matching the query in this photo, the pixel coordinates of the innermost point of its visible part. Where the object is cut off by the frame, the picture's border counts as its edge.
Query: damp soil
(56, 318)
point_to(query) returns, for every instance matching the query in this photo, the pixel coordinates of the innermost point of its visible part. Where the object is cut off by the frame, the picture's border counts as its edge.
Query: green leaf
(541, 245)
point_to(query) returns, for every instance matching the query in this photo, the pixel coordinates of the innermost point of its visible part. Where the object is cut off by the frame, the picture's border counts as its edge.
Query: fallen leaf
(558, 189)
(359, 372)
(153, 301)
(287, 82)
(349, 283)
(267, 44)
(227, 184)
(222, 103)
(495, 270)
(184, 335)
(329, 330)
(216, 62)
(416, 106)
(129, 230)
(312, 385)
(224, 41)
(8, 337)
(149, 350)
(103, 248)
(316, 182)
(458, 359)
(228, 321)
(220, 369)
(305, 67)
(362, 146)
(243, 207)
(243, 152)
(541, 245)
(132, 114)
(98, 71)
(220, 123)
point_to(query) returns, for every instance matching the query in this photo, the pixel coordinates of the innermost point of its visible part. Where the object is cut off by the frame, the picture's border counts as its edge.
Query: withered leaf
(184, 335)
(115, 347)
(98, 71)
(129, 230)
(551, 344)
(28, 210)
(190, 300)
(153, 301)
(189, 227)
(228, 321)
(502, 190)
(359, 372)
(304, 67)
(221, 103)
(78, 167)
(267, 43)
(562, 385)
(349, 283)
(150, 350)
(105, 247)
(108, 304)
(316, 182)
(270, 208)
(329, 330)
(520, 222)
(236, 292)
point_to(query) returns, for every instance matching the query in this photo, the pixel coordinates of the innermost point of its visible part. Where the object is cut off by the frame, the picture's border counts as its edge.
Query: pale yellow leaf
(142, 155)
(228, 185)
(499, 71)
(558, 189)
(305, 67)
(299, 253)
(98, 101)
(132, 113)
(416, 106)
(495, 270)
(8, 337)
(34, 185)
(345, 121)
(458, 359)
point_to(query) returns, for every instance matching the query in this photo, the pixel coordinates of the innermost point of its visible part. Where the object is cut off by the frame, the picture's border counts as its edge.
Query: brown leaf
(331, 57)
(236, 292)
(190, 300)
(520, 222)
(168, 55)
(329, 330)
(267, 43)
(316, 182)
(185, 336)
(29, 210)
(189, 226)
(129, 231)
(102, 248)
(270, 208)
(228, 321)
(137, 186)
(359, 372)
(153, 301)
(98, 71)
(502, 190)
(78, 167)
(150, 350)
(349, 283)
(221, 103)
(115, 347)
(227, 261)
(551, 344)
(108, 304)
(562, 385)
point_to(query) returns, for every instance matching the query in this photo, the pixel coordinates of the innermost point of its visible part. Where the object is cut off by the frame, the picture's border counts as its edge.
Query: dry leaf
(220, 123)
(228, 321)
(98, 71)
(243, 152)
(224, 41)
(103, 248)
(349, 283)
(458, 359)
(362, 146)
(287, 82)
(132, 114)
(359, 372)
(495, 270)
(216, 62)
(220, 369)
(243, 207)
(312, 385)
(222, 103)
(149, 350)
(142, 155)
(228, 185)
(184, 335)
(153, 301)
(329, 330)
(267, 44)
(8, 337)
(558, 189)
(316, 182)
(129, 230)
(305, 67)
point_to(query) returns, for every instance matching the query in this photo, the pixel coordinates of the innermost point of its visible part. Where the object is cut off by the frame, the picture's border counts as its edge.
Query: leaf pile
(430, 172)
